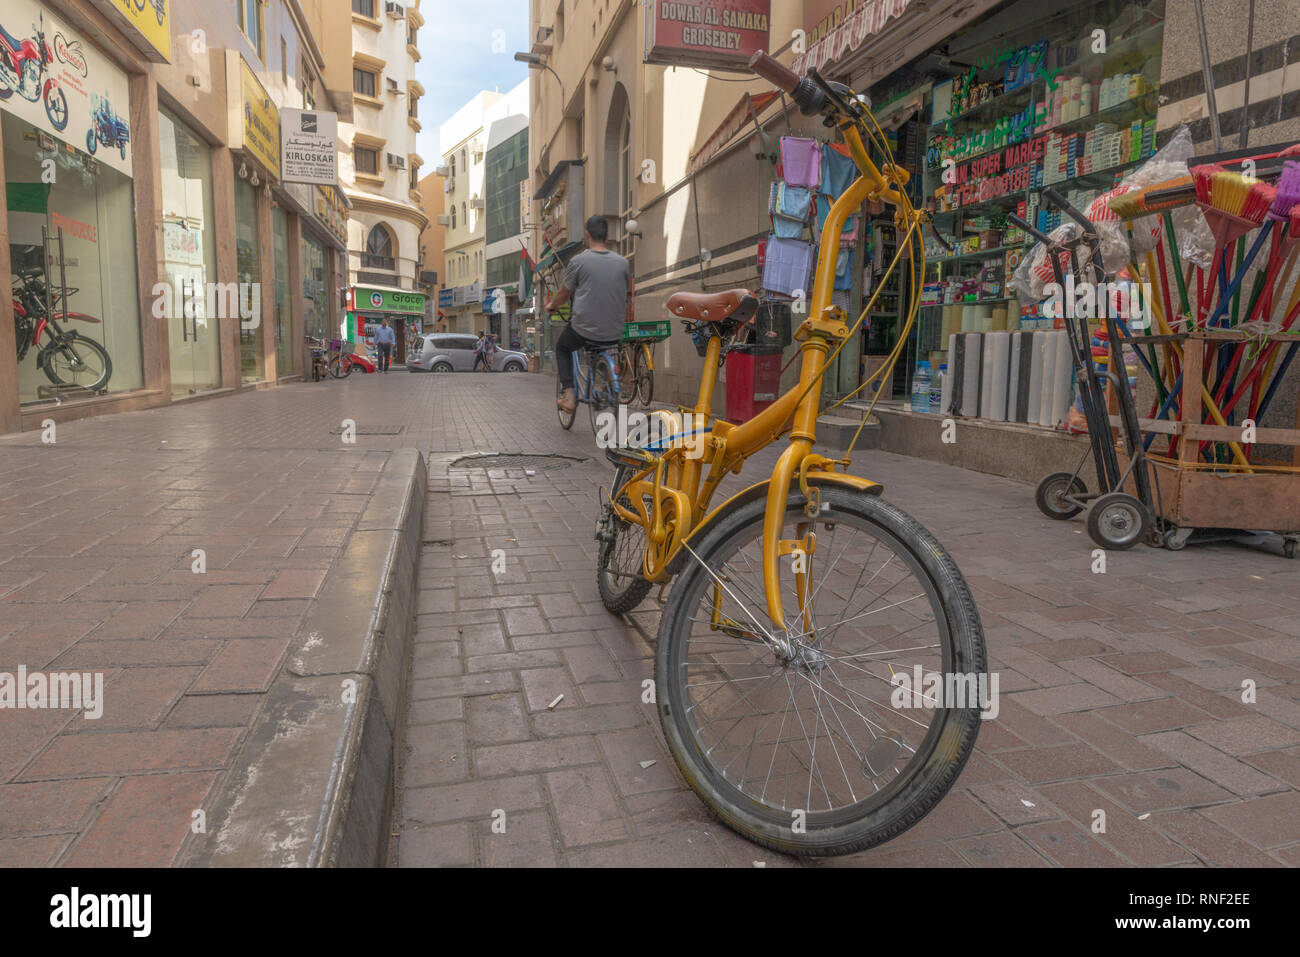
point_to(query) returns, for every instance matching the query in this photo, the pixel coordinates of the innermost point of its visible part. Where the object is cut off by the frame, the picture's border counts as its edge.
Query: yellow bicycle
(820, 660)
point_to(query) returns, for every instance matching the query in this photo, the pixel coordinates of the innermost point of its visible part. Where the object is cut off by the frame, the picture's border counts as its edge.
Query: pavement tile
(585, 806)
(1267, 822)
(145, 823)
(1168, 788)
(245, 665)
(448, 845)
(132, 752)
(1222, 769)
(48, 806)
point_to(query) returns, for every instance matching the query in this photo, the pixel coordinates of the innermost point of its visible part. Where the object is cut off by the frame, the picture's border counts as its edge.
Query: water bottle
(936, 389)
(921, 387)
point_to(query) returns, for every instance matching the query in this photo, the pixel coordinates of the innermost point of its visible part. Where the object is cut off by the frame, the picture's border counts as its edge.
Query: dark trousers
(385, 355)
(565, 346)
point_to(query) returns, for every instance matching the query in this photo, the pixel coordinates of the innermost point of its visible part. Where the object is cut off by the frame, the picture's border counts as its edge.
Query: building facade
(381, 169)
(432, 239)
(145, 185)
(506, 195)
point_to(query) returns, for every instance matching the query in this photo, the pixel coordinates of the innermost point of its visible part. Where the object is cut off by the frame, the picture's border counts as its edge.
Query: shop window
(316, 307)
(94, 207)
(284, 351)
(364, 7)
(367, 160)
(251, 24)
(380, 249)
(189, 257)
(363, 82)
(308, 80)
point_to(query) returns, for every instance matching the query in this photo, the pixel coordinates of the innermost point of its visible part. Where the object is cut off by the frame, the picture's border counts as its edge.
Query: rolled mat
(1037, 345)
(997, 356)
(1061, 381)
(1013, 378)
(1050, 343)
(956, 374)
(1022, 372)
(974, 366)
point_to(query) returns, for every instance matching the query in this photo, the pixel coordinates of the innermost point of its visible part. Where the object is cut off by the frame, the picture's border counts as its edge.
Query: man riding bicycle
(600, 283)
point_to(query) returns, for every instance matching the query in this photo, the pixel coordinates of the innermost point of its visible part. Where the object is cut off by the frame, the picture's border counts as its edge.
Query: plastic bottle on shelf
(921, 387)
(1085, 98)
(936, 389)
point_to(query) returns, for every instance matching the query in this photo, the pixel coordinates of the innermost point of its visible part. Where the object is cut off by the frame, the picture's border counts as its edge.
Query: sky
(465, 47)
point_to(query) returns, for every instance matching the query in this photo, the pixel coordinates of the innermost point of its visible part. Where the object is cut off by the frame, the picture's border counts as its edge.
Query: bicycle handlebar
(806, 94)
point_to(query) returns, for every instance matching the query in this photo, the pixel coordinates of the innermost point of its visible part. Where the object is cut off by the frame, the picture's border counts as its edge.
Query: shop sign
(385, 300)
(833, 29)
(259, 122)
(708, 33)
(446, 298)
(146, 23)
(67, 89)
(998, 173)
(308, 151)
(474, 293)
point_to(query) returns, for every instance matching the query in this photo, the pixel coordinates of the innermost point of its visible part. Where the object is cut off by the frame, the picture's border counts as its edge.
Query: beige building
(432, 239)
(381, 171)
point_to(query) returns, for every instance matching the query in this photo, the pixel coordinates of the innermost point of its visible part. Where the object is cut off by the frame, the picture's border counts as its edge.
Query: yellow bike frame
(672, 481)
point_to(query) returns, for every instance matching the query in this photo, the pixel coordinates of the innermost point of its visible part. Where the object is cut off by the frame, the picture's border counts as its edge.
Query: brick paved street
(1119, 691)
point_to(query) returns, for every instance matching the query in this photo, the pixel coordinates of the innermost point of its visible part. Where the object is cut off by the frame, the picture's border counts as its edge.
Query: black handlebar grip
(1023, 225)
(1063, 204)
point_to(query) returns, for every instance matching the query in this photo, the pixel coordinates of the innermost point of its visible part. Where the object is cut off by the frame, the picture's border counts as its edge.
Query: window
(363, 82)
(464, 216)
(413, 105)
(453, 218)
(453, 168)
(284, 63)
(308, 80)
(250, 22)
(364, 7)
(410, 36)
(379, 249)
(366, 160)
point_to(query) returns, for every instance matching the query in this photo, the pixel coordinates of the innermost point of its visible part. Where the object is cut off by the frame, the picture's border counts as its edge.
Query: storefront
(368, 306)
(69, 171)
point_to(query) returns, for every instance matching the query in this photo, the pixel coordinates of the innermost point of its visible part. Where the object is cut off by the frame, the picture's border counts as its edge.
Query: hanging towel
(848, 233)
(801, 159)
(838, 171)
(793, 202)
(787, 265)
(788, 228)
(843, 268)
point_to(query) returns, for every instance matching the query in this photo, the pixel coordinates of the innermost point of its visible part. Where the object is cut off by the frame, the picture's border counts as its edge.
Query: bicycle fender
(759, 491)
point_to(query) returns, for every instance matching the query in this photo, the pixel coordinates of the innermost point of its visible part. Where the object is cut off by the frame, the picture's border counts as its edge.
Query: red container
(753, 383)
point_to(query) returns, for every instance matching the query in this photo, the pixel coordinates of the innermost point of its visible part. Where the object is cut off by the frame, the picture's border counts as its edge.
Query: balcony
(371, 261)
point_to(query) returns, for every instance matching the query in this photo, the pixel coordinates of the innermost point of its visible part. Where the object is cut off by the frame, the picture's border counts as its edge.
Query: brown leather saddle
(738, 305)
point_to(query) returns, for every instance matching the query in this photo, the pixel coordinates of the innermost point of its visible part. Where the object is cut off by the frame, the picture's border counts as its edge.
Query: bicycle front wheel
(849, 737)
(566, 418)
(74, 360)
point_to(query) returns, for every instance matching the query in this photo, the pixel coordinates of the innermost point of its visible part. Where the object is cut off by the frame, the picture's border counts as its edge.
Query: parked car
(454, 352)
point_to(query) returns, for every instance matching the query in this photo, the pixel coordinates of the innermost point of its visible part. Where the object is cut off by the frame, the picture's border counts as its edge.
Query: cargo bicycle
(809, 621)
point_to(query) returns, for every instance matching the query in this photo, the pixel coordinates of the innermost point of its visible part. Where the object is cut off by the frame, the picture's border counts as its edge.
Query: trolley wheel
(1289, 547)
(1175, 539)
(1051, 495)
(1117, 520)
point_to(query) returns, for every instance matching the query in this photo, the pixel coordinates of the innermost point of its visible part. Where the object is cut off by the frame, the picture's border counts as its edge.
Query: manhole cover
(505, 460)
(373, 430)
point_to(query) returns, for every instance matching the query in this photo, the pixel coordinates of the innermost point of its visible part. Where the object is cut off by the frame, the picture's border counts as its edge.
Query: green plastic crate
(655, 331)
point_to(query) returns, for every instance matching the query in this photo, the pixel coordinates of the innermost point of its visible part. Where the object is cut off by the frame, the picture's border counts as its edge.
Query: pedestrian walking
(385, 339)
(481, 353)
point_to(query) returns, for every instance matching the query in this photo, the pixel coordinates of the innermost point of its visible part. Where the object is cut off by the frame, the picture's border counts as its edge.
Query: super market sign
(387, 300)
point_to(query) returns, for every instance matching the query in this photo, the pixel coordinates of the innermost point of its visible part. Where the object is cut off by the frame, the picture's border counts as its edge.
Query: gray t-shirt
(599, 282)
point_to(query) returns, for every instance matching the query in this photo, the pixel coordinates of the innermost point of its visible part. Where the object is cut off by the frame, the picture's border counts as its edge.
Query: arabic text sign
(307, 146)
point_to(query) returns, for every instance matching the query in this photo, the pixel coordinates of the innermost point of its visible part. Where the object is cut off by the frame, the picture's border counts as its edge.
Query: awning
(736, 120)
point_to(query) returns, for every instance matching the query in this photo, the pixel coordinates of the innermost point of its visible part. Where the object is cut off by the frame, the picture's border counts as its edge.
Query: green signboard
(387, 300)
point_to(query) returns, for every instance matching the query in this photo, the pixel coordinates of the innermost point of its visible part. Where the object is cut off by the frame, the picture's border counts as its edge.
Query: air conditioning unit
(476, 203)
(395, 10)
(449, 186)
(392, 85)
(397, 162)
(444, 220)
(440, 170)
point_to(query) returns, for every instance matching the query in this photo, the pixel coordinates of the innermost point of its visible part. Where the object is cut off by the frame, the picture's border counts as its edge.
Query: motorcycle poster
(60, 84)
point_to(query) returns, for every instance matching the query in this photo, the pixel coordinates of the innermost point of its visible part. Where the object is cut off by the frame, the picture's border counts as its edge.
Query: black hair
(597, 228)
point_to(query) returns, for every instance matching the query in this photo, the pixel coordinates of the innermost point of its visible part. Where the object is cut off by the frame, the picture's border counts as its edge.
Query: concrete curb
(314, 783)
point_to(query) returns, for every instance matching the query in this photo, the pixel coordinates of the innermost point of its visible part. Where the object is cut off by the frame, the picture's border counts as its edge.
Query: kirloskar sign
(365, 299)
(707, 33)
(833, 28)
(307, 147)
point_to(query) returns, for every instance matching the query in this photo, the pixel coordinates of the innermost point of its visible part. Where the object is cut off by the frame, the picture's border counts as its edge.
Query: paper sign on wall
(308, 147)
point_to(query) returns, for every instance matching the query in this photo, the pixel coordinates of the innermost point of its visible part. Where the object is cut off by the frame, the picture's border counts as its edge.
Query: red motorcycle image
(23, 63)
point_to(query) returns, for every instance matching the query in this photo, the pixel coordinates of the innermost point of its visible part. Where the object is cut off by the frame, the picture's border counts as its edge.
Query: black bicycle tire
(618, 602)
(46, 359)
(645, 379)
(923, 788)
(572, 415)
(626, 377)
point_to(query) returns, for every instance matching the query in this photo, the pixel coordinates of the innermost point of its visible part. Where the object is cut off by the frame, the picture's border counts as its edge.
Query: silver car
(454, 352)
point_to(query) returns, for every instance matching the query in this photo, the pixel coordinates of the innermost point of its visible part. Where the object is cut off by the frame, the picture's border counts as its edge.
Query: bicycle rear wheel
(626, 376)
(820, 751)
(603, 394)
(645, 377)
(566, 418)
